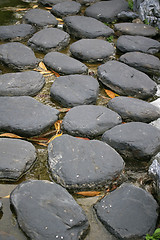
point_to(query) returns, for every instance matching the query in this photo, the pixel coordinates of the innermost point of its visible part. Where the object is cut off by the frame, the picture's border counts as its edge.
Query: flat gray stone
(27, 83)
(126, 80)
(73, 90)
(64, 9)
(26, 116)
(49, 39)
(64, 64)
(92, 50)
(50, 3)
(128, 212)
(47, 211)
(6, 236)
(86, 27)
(89, 120)
(80, 164)
(134, 140)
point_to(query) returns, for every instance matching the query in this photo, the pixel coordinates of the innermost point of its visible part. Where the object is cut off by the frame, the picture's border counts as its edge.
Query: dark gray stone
(6, 236)
(127, 43)
(92, 50)
(86, 27)
(141, 61)
(132, 109)
(21, 83)
(128, 212)
(51, 2)
(89, 120)
(80, 164)
(49, 39)
(126, 80)
(87, 2)
(18, 56)
(106, 11)
(73, 90)
(64, 64)
(47, 211)
(64, 9)
(17, 156)
(134, 140)
(25, 116)
(127, 15)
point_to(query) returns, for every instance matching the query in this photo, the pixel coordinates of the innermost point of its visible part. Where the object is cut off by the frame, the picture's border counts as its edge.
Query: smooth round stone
(132, 109)
(82, 164)
(89, 120)
(49, 39)
(92, 50)
(129, 212)
(18, 56)
(26, 116)
(45, 210)
(73, 90)
(17, 156)
(64, 64)
(6, 236)
(64, 9)
(51, 2)
(16, 32)
(86, 27)
(127, 43)
(134, 140)
(126, 80)
(21, 83)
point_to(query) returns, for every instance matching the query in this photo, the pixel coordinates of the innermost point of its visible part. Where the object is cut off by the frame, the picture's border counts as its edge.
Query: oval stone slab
(47, 211)
(89, 120)
(17, 156)
(92, 50)
(64, 9)
(25, 116)
(51, 2)
(86, 27)
(134, 140)
(135, 210)
(21, 83)
(64, 64)
(80, 164)
(73, 90)
(126, 80)
(49, 39)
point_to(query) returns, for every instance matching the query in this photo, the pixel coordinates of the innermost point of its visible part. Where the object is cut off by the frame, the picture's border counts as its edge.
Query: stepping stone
(126, 80)
(127, 43)
(86, 27)
(17, 156)
(73, 90)
(50, 3)
(18, 56)
(132, 109)
(21, 83)
(127, 15)
(82, 164)
(106, 11)
(129, 212)
(40, 18)
(64, 9)
(89, 120)
(16, 32)
(92, 50)
(141, 61)
(134, 140)
(87, 2)
(26, 116)
(64, 64)
(49, 39)
(6, 236)
(45, 210)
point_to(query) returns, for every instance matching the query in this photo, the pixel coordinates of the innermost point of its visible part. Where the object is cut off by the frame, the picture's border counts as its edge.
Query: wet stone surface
(64, 9)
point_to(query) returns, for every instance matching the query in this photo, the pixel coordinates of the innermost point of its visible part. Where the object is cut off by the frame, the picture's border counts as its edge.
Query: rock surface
(127, 15)
(0, 206)
(6, 236)
(64, 9)
(51, 2)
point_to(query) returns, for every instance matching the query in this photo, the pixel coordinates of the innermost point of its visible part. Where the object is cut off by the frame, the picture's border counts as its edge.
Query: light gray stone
(64, 9)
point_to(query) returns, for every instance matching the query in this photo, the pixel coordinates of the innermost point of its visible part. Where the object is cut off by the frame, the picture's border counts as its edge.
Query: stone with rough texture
(73, 90)
(126, 80)
(92, 50)
(64, 9)
(47, 211)
(86, 27)
(89, 120)
(26, 116)
(49, 39)
(17, 156)
(64, 64)
(6, 236)
(80, 164)
(128, 212)
(21, 83)
(134, 140)
(51, 2)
